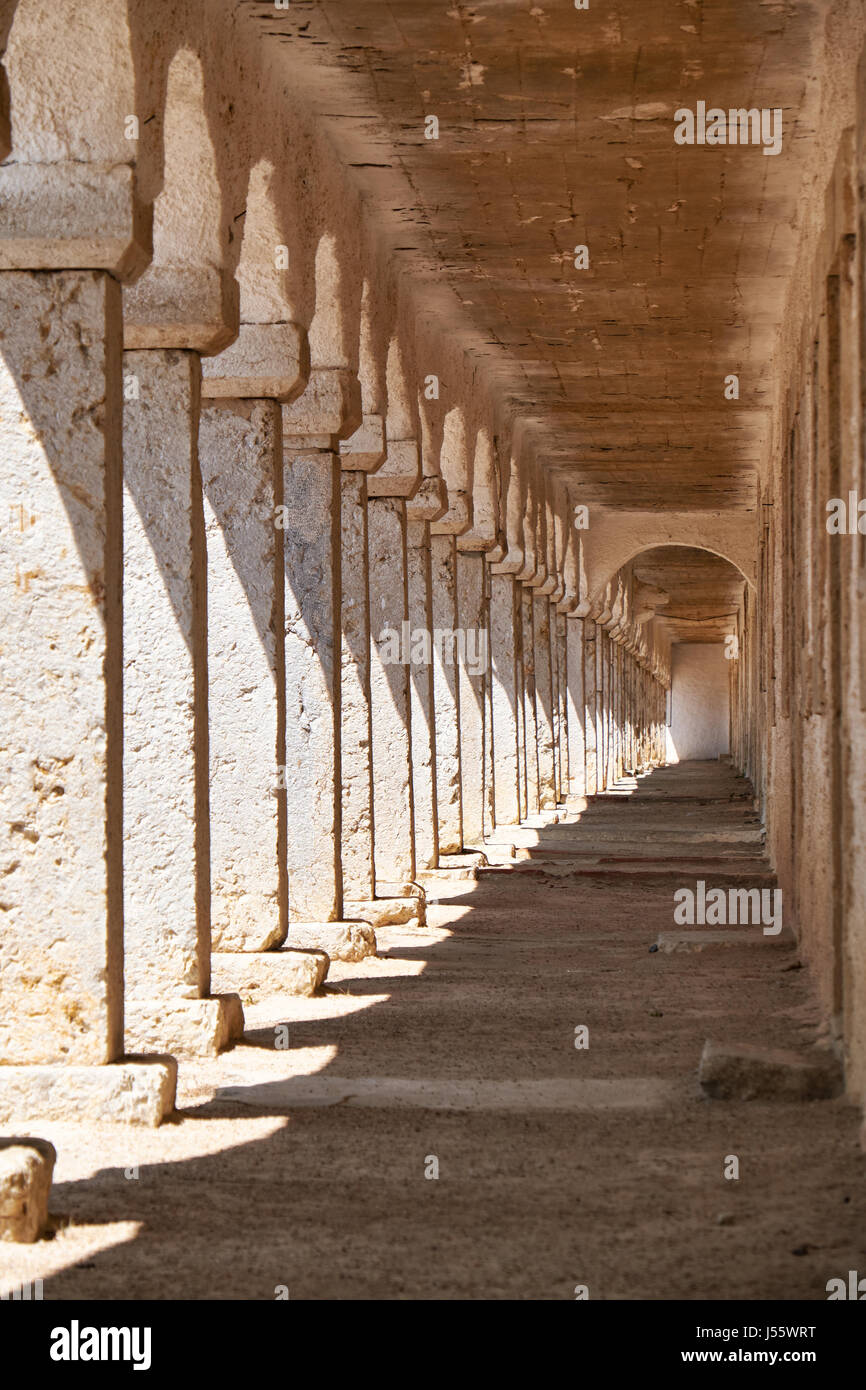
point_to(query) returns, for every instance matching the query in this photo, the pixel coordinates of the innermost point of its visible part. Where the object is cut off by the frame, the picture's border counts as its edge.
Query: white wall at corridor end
(699, 702)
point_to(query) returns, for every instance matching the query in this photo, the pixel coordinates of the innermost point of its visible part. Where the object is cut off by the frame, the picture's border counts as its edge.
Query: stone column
(530, 720)
(541, 627)
(390, 697)
(167, 924)
(576, 707)
(473, 652)
(427, 504)
(240, 447)
(446, 690)
(360, 455)
(505, 697)
(590, 726)
(61, 967)
(328, 411)
(563, 751)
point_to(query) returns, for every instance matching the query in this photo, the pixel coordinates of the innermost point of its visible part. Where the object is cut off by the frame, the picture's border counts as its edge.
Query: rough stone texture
(311, 494)
(190, 1027)
(26, 1167)
(446, 692)
(329, 408)
(60, 799)
(421, 691)
(287, 971)
(346, 941)
(745, 1072)
(166, 870)
(400, 474)
(355, 722)
(389, 693)
(137, 1091)
(241, 467)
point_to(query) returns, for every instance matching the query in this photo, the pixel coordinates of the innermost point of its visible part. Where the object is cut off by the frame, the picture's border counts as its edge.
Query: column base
(389, 912)
(135, 1091)
(284, 972)
(184, 1027)
(346, 941)
(26, 1166)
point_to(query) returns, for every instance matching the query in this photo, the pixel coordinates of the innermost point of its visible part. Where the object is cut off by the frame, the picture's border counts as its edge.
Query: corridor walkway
(306, 1168)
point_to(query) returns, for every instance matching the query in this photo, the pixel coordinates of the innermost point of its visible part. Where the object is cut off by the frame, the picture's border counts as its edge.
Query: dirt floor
(307, 1169)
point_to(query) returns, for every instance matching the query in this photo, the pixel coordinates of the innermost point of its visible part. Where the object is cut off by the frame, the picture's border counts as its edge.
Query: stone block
(266, 360)
(364, 450)
(186, 1027)
(26, 1168)
(286, 971)
(388, 912)
(745, 1072)
(136, 1091)
(347, 941)
(400, 474)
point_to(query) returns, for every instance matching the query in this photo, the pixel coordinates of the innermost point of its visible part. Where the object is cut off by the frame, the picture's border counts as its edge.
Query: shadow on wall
(699, 697)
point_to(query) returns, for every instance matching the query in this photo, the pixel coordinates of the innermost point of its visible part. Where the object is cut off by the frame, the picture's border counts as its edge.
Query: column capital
(267, 361)
(430, 501)
(458, 517)
(400, 474)
(191, 307)
(73, 216)
(328, 410)
(364, 451)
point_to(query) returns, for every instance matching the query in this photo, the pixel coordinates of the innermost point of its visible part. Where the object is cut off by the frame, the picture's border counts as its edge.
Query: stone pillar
(561, 704)
(589, 696)
(361, 454)
(240, 448)
(505, 697)
(427, 504)
(61, 967)
(357, 731)
(473, 654)
(576, 707)
(313, 425)
(390, 696)
(530, 721)
(167, 924)
(541, 629)
(443, 559)
(311, 494)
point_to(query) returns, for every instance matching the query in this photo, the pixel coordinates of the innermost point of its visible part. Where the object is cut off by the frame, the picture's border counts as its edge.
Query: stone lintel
(136, 1090)
(458, 517)
(364, 450)
(190, 1027)
(69, 216)
(329, 408)
(400, 474)
(191, 307)
(429, 502)
(266, 361)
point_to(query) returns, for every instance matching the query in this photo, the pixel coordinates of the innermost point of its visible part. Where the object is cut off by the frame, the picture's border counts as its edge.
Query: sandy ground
(306, 1168)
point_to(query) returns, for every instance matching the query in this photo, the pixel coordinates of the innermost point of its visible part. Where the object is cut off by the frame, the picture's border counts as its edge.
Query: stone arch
(613, 540)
